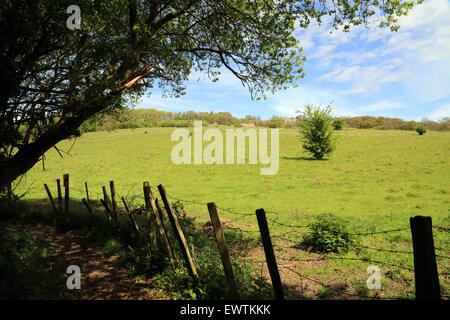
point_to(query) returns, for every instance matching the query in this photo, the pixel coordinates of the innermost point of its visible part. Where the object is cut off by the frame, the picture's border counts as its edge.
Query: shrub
(338, 124)
(328, 234)
(316, 131)
(421, 129)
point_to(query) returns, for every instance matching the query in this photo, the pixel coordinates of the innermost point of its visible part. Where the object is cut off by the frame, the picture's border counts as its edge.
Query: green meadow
(377, 177)
(375, 180)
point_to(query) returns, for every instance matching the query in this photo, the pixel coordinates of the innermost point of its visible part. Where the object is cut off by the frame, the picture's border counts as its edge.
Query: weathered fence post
(178, 233)
(425, 268)
(108, 211)
(106, 203)
(55, 211)
(113, 200)
(66, 192)
(162, 231)
(270, 256)
(166, 230)
(9, 191)
(86, 204)
(223, 250)
(150, 216)
(87, 192)
(58, 184)
(130, 214)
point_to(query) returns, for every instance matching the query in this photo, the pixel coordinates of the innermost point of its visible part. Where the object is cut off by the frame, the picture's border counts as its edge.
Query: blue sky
(368, 71)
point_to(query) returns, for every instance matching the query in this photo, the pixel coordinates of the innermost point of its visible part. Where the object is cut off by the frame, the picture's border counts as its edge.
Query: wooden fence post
(55, 211)
(130, 214)
(223, 250)
(270, 256)
(86, 204)
(58, 184)
(66, 192)
(425, 268)
(113, 200)
(108, 211)
(162, 231)
(107, 203)
(166, 230)
(150, 216)
(87, 192)
(178, 233)
(9, 191)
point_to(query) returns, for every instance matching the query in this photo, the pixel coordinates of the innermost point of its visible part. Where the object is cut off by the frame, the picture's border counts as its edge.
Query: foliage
(421, 129)
(26, 272)
(338, 124)
(384, 123)
(10, 206)
(140, 118)
(316, 131)
(328, 233)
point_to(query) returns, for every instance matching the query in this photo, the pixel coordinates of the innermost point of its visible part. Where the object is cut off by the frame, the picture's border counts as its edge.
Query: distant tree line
(140, 118)
(144, 118)
(382, 123)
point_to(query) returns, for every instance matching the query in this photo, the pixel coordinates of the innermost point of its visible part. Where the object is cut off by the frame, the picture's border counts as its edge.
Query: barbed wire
(378, 232)
(338, 290)
(353, 259)
(295, 228)
(385, 250)
(444, 228)
(441, 249)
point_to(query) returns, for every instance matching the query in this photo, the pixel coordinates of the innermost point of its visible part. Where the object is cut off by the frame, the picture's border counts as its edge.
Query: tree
(53, 78)
(421, 129)
(316, 131)
(338, 124)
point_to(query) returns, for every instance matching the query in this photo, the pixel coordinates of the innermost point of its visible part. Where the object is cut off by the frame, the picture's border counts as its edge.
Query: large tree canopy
(54, 78)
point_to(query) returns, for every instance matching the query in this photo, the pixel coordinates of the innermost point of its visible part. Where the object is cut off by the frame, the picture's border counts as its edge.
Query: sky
(367, 71)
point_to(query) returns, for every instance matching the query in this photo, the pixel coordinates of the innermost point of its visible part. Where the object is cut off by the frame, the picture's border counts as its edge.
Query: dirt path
(100, 278)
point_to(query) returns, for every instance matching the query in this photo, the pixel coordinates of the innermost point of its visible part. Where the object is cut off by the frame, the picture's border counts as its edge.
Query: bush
(328, 234)
(316, 131)
(338, 124)
(421, 129)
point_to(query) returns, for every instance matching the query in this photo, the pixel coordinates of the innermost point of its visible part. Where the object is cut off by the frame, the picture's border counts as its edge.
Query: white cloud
(439, 113)
(366, 59)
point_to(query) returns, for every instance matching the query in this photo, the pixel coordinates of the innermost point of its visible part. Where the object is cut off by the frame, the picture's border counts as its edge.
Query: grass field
(376, 176)
(375, 179)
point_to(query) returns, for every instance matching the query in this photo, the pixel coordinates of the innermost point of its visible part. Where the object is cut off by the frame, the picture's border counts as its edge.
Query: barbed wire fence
(289, 239)
(300, 229)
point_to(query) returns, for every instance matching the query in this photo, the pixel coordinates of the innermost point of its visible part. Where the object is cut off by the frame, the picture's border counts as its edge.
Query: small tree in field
(421, 129)
(316, 131)
(338, 124)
